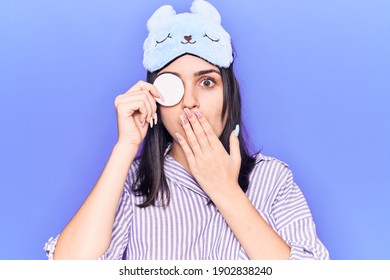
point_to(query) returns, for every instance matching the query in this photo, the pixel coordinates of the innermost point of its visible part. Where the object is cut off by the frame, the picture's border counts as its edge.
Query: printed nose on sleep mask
(171, 87)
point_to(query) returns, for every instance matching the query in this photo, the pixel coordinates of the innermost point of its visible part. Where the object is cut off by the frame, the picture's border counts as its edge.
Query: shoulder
(132, 174)
(135, 164)
(267, 177)
(273, 165)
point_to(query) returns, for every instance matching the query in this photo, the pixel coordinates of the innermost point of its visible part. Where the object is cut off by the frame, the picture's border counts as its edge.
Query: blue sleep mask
(199, 33)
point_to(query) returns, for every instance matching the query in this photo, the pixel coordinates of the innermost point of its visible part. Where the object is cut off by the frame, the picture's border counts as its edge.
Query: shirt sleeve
(50, 246)
(120, 231)
(294, 223)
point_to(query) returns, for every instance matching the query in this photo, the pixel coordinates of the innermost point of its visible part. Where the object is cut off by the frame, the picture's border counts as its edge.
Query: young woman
(194, 192)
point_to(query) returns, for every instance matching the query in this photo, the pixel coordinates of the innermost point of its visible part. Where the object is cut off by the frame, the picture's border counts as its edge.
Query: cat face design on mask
(199, 33)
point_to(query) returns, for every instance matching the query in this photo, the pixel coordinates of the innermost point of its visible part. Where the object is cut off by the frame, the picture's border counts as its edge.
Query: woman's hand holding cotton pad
(171, 88)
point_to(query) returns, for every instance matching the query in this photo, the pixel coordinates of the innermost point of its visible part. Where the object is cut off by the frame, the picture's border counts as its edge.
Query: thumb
(235, 146)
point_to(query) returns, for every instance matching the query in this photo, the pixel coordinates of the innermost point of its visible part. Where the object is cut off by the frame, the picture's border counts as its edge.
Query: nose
(190, 99)
(188, 38)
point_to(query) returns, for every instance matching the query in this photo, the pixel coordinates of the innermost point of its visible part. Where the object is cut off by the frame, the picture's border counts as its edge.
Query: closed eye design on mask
(214, 40)
(168, 36)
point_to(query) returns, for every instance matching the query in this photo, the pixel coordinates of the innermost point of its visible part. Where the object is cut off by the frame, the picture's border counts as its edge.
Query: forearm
(88, 234)
(257, 238)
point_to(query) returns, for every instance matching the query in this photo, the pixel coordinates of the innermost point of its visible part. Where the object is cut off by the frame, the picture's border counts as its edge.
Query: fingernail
(183, 120)
(197, 113)
(178, 136)
(161, 96)
(151, 122)
(237, 130)
(155, 118)
(188, 112)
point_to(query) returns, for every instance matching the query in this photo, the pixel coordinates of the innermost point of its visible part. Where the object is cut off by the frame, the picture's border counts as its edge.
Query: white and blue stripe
(190, 228)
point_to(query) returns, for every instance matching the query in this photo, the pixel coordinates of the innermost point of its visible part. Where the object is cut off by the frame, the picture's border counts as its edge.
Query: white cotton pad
(171, 88)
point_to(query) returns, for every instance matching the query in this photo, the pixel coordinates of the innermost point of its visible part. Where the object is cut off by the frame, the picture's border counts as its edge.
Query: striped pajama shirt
(190, 228)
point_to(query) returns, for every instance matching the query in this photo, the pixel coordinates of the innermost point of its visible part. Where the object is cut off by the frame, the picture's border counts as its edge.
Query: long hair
(151, 181)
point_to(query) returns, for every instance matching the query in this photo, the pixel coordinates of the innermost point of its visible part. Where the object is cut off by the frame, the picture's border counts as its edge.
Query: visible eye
(207, 82)
(168, 36)
(214, 40)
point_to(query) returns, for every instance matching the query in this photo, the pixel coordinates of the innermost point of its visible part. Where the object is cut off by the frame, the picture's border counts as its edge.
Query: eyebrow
(196, 74)
(204, 72)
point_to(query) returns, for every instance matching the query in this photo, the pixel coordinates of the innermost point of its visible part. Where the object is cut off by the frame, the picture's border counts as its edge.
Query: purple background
(315, 77)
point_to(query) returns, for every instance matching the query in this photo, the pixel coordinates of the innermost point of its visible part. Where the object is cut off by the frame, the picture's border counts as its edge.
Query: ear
(204, 8)
(160, 15)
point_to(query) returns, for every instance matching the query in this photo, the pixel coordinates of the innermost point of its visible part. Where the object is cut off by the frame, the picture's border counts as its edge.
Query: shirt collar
(174, 170)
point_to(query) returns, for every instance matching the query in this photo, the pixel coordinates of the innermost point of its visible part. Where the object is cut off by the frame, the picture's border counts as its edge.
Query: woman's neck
(177, 153)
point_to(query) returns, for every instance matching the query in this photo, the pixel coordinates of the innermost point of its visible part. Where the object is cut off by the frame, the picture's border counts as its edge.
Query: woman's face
(203, 89)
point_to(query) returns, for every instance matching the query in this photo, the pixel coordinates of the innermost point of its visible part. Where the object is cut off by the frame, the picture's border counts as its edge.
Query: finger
(142, 85)
(198, 130)
(132, 110)
(152, 118)
(142, 97)
(234, 144)
(152, 104)
(213, 139)
(191, 138)
(144, 92)
(186, 149)
(129, 106)
(145, 96)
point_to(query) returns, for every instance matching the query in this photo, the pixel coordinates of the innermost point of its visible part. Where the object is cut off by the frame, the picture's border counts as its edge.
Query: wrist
(231, 201)
(126, 148)
(226, 194)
